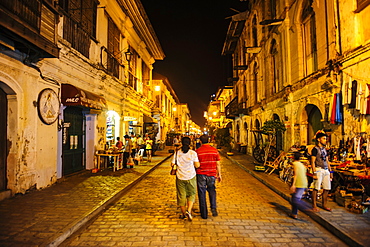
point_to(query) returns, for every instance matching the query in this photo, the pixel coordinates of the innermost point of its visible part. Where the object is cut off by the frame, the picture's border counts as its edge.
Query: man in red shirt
(207, 174)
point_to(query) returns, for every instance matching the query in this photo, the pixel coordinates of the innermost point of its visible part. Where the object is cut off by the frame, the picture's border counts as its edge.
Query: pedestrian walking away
(186, 161)
(321, 171)
(127, 151)
(207, 174)
(299, 185)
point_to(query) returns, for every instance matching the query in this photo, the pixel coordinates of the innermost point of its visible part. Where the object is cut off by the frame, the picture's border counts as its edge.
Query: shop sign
(129, 118)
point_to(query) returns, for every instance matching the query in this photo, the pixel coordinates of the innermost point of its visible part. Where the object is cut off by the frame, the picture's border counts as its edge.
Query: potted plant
(224, 139)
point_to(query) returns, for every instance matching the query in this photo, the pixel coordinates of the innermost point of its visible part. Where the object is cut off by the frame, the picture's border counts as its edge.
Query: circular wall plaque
(48, 106)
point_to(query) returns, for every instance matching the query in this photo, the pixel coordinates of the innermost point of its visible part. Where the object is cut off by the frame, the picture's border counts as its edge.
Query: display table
(117, 159)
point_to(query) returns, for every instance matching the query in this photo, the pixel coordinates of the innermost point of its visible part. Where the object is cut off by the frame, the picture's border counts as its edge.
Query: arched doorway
(237, 139)
(314, 123)
(3, 138)
(246, 140)
(279, 135)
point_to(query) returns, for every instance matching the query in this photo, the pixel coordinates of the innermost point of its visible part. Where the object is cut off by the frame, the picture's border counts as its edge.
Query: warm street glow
(157, 88)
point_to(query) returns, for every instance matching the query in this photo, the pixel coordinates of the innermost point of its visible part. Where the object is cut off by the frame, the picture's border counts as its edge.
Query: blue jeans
(206, 183)
(297, 202)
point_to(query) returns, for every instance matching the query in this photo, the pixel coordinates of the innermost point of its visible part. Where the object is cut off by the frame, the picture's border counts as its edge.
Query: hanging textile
(349, 93)
(353, 95)
(368, 101)
(357, 147)
(339, 109)
(359, 96)
(368, 147)
(345, 92)
(365, 94)
(333, 109)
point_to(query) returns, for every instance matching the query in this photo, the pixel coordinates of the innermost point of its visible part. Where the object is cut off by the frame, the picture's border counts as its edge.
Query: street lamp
(128, 55)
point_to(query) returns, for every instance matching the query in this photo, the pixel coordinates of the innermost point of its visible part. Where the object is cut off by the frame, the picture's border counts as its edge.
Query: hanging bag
(174, 167)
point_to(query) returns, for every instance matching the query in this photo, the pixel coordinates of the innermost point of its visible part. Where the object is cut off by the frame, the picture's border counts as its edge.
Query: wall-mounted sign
(129, 118)
(48, 106)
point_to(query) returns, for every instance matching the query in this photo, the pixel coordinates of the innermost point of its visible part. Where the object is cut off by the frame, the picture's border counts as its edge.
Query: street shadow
(283, 210)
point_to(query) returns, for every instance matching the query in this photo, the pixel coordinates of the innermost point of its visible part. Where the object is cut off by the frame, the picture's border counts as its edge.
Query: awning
(74, 96)
(149, 119)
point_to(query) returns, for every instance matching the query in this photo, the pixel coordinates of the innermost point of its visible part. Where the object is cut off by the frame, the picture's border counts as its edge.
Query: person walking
(186, 161)
(127, 151)
(134, 149)
(299, 185)
(207, 174)
(321, 171)
(148, 148)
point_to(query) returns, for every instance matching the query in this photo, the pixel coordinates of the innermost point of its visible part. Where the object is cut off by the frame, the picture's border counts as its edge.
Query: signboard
(129, 118)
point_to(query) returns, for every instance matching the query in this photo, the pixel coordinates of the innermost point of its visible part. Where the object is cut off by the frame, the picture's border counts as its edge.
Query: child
(299, 185)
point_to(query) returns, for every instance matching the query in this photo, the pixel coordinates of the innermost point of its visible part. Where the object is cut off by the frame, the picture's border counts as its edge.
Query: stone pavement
(353, 229)
(47, 217)
(250, 214)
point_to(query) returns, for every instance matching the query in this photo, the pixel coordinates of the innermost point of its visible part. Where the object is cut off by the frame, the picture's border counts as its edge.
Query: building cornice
(141, 24)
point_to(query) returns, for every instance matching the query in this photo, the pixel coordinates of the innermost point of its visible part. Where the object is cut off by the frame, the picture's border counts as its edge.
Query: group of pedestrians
(322, 176)
(133, 149)
(197, 171)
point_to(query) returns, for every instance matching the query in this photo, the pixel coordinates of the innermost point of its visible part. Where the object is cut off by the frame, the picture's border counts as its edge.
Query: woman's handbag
(174, 168)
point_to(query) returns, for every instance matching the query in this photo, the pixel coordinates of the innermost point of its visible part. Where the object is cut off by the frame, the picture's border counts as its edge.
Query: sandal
(294, 216)
(327, 209)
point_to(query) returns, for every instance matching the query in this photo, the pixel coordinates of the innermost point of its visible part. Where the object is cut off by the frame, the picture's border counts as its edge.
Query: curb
(73, 227)
(342, 235)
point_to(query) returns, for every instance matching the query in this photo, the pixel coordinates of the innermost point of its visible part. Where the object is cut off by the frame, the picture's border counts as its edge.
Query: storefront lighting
(157, 88)
(214, 113)
(174, 109)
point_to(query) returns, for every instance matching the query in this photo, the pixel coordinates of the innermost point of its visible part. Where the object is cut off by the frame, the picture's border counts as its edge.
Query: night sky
(192, 34)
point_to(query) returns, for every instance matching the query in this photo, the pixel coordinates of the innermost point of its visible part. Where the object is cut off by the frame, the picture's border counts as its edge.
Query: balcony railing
(234, 109)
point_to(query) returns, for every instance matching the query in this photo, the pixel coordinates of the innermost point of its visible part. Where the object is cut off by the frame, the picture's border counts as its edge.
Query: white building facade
(74, 76)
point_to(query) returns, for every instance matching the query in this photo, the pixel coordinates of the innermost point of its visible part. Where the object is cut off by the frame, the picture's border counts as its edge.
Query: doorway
(73, 140)
(314, 121)
(3, 139)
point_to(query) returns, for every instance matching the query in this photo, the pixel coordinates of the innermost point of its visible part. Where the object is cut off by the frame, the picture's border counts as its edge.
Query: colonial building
(303, 63)
(166, 103)
(215, 115)
(74, 75)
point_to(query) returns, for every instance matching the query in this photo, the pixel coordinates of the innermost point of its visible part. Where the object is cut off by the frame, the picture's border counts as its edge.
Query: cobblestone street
(249, 215)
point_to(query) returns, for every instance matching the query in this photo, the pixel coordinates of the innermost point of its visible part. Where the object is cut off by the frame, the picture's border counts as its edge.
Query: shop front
(80, 110)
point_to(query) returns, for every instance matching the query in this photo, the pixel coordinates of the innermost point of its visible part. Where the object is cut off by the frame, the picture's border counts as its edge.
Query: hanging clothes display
(359, 96)
(357, 147)
(345, 91)
(353, 95)
(333, 110)
(338, 109)
(368, 101)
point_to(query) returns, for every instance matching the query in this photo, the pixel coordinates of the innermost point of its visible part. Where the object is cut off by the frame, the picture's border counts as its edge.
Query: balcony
(31, 26)
(234, 109)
